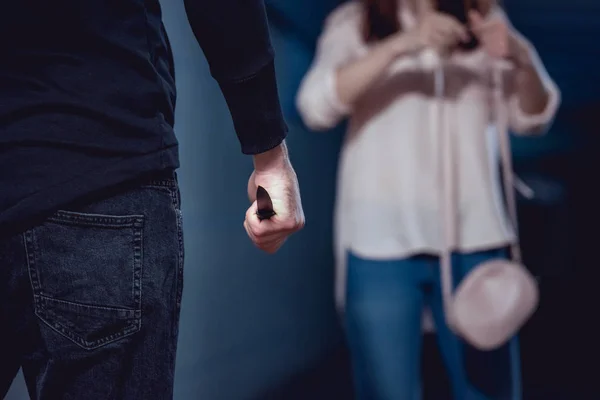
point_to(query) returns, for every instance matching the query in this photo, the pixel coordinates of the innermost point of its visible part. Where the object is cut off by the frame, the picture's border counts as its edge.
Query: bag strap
(501, 122)
(447, 199)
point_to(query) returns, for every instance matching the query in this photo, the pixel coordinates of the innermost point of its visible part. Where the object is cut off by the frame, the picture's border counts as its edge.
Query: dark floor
(557, 363)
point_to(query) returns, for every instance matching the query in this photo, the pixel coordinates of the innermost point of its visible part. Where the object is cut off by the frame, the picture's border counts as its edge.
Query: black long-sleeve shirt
(87, 93)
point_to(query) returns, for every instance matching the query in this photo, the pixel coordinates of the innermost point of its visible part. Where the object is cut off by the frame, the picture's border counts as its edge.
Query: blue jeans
(385, 300)
(90, 298)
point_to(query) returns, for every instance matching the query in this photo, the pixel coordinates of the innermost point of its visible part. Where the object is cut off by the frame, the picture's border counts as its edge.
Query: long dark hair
(381, 16)
(381, 19)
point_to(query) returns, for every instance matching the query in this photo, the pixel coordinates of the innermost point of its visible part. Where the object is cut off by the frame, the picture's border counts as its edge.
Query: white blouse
(388, 180)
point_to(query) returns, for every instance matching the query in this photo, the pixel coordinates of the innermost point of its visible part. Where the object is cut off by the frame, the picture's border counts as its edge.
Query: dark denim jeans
(90, 298)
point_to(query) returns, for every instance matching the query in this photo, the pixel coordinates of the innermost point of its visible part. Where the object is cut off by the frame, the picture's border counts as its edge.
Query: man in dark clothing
(91, 247)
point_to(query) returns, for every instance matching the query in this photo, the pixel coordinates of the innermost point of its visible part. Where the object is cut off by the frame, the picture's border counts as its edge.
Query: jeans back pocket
(86, 275)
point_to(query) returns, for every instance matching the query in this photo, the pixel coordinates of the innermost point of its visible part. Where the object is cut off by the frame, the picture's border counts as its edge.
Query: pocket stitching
(61, 329)
(89, 220)
(75, 304)
(97, 220)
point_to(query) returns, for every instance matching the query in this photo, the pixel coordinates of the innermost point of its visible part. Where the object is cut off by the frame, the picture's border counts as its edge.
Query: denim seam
(176, 201)
(180, 255)
(138, 265)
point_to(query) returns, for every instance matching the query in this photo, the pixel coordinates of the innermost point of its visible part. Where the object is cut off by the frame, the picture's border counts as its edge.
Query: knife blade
(264, 204)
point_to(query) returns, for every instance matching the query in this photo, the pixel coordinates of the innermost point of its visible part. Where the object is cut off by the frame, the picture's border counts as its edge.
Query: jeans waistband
(167, 178)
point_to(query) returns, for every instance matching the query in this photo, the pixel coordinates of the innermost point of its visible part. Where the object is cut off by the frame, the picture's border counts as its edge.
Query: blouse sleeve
(521, 122)
(317, 100)
(524, 123)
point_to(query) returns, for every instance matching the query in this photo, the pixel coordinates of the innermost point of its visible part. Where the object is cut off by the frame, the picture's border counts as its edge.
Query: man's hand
(274, 172)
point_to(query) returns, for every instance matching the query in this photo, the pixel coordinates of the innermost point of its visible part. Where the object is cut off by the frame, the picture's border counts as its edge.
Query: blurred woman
(376, 63)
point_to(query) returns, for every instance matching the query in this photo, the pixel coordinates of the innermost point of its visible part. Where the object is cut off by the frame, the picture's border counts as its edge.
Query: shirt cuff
(524, 122)
(256, 111)
(337, 107)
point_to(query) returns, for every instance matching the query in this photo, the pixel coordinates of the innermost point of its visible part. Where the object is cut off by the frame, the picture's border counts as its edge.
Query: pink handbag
(493, 301)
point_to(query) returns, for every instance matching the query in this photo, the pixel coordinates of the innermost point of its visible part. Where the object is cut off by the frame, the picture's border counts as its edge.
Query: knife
(264, 204)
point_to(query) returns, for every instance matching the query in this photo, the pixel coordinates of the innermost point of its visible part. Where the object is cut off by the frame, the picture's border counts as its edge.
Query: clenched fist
(274, 172)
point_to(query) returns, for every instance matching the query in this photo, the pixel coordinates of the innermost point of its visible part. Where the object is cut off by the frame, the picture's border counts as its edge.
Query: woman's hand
(498, 40)
(436, 30)
(440, 31)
